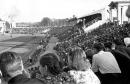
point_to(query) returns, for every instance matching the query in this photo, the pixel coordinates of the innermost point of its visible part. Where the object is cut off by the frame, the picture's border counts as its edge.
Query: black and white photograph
(64, 41)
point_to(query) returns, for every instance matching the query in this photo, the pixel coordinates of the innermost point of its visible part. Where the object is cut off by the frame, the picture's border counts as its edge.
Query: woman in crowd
(52, 72)
(50, 63)
(81, 71)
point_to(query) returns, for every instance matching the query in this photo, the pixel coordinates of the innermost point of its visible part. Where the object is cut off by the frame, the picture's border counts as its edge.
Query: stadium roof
(92, 13)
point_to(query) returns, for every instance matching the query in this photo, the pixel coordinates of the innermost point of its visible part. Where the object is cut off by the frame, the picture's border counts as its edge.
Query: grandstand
(93, 20)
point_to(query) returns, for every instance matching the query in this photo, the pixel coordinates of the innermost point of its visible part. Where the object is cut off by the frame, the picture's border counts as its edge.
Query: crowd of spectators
(69, 38)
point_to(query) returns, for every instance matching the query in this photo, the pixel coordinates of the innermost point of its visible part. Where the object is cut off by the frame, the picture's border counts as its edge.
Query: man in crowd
(105, 65)
(12, 69)
(123, 60)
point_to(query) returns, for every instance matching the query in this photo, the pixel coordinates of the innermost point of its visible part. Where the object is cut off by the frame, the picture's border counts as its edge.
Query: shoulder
(86, 77)
(108, 53)
(96, 56)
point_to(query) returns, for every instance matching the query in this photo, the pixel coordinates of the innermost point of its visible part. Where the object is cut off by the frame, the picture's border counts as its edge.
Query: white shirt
(105, 62)
(84, 77)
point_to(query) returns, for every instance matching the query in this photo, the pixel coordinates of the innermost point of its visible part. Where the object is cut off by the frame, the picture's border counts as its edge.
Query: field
(23, 45)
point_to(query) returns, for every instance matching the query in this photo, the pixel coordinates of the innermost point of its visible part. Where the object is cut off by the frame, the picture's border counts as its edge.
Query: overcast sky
(35, 10)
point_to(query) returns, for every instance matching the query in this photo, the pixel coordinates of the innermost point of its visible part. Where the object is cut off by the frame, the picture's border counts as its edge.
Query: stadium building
(116, 12)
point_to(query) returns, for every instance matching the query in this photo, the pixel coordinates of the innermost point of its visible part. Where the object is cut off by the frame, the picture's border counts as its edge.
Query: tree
(45, 21)
(113, 5)
(128, 13)
(7, 25)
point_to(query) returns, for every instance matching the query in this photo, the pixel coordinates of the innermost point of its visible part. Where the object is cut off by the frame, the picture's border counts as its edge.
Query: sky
(35, 10)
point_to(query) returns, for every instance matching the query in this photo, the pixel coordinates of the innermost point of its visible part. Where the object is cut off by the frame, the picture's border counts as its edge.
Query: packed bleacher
(106, 32)
(70, 37)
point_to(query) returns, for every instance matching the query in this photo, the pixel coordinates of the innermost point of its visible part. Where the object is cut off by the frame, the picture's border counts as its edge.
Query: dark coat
(127, 50)
(21, 79)
(123, 60)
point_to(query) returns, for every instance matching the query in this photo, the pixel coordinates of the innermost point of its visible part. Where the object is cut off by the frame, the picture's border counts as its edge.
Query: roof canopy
(98, 12)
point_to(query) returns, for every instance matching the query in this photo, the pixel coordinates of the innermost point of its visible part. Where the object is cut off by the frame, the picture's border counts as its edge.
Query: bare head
(10, 64)
(79, 61)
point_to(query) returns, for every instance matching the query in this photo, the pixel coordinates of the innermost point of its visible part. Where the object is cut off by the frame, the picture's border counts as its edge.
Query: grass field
(23, 45)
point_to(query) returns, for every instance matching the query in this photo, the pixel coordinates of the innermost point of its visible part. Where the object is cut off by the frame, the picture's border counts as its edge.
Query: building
(93, 20)
(117, 11)
(4, 26)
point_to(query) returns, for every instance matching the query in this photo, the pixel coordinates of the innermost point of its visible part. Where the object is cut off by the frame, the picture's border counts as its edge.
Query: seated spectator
(89, 54)
(81, 71)
(52, 72)
(108, 46)
(127, 41)
(105, 65)
(50, 47)
(123, 61)
(12, 69)
(51, 63)
(119, 45)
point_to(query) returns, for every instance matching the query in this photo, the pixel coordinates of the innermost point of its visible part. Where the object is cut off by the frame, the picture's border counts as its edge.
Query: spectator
(123, 62)
(52, 72)
(51, 63)
(89, 54)
(127, 41)
(108, 46)
(81, 71)
(12, 69)
(50, 47)
(119, 45)
(105, 64)
(127, 48)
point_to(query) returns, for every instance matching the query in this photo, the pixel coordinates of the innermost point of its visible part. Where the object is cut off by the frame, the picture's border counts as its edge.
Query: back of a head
(127, 41)
(5, 59)
(52, 63)
(73, 51)
(118, 42)
(108, 45)
(89, 53)
(98, 46)
(79, 59)
(9, 63)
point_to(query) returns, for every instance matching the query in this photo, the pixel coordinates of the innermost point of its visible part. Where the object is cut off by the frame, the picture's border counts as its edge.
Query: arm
(94, 64)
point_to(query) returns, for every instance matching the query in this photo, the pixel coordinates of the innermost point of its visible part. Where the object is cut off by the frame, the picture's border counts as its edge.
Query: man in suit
(123, 60)
(12, 69)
